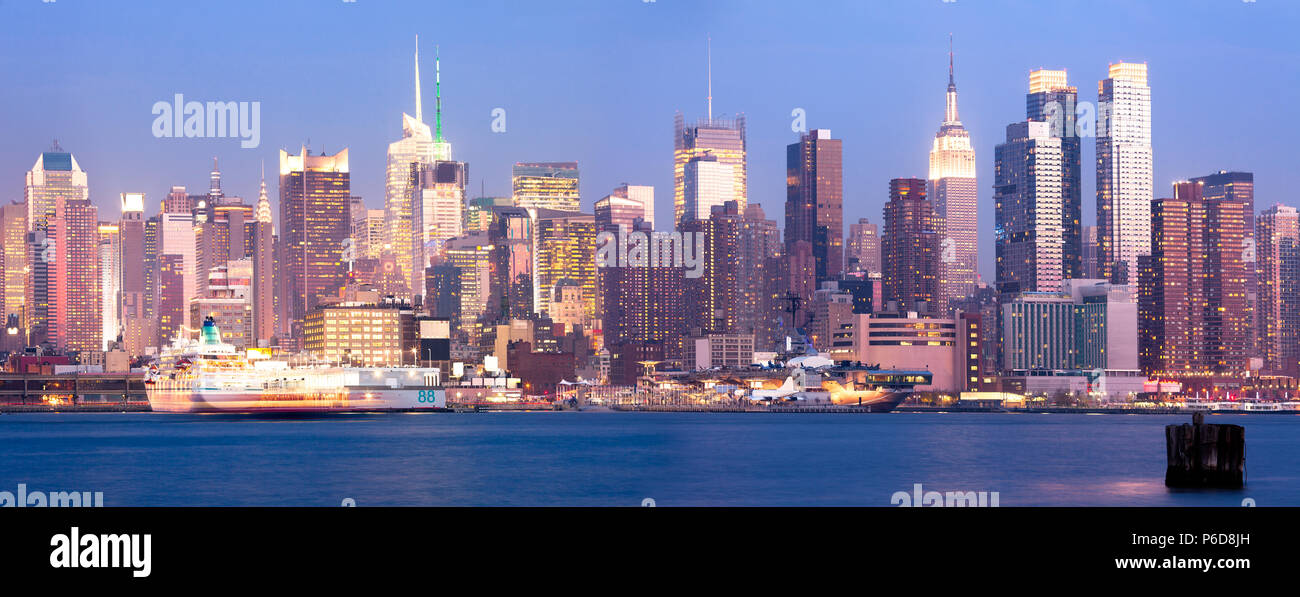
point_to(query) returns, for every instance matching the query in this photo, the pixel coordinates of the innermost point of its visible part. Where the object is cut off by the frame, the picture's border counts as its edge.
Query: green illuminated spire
(437, 90)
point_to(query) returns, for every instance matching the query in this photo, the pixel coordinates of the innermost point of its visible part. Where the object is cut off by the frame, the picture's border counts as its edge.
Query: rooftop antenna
(419, 110)
(709, 40)
(437, 91)
(951, 83)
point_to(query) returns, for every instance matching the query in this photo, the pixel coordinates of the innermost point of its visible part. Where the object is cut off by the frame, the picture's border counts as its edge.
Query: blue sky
(599, 81)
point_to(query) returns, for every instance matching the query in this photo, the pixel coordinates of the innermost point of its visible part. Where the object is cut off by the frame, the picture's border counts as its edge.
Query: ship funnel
(211, 335)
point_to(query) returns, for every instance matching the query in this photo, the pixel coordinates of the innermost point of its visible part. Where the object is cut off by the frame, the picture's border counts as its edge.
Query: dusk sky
(598, 82)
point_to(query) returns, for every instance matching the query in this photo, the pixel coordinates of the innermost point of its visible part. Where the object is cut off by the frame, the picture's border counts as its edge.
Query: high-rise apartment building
(75, 300)
(758, 253)
(565, 253)
(1192, 289)
(1124, 171)
(1052, 100)
(15, 257)
(1277, 235)
(862, 247)
(1030, 212)
(910, 247)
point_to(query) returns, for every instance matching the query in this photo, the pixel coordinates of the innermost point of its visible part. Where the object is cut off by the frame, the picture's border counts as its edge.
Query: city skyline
(673, 64)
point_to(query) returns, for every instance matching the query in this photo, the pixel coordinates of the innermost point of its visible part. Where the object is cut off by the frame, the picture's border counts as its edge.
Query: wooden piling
(1203, 455)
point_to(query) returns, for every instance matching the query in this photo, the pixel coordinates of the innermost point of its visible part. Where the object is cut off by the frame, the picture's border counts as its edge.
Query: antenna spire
(437, 90)
(951, 84)
(419, 110)
(709, 40)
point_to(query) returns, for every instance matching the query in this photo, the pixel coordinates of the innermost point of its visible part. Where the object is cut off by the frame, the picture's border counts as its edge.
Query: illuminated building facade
(55, 177)
(110, 281)
(954, 192)
(758, 252)
(545, 185)
(1052, 100)
(418, 147)
(131, 302)
(75, 301)
(1124, 171)
(264, 270)
(1030, 213)
(1192, 290)
(624, 206)
(565, 249)
(478, 212)
(1278, 263)
(14, 259)
(862, 247)
(910, 247)
(814, 200)
(315, 222)
(720, 138)
(511, 290)
(359, 333)
(712, 298)
(438, 203)
(471, 255)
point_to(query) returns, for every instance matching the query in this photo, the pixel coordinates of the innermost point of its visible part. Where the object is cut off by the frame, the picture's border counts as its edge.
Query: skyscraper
(56, 176)
(136, 330)
(721, 139)
(1278, 241)
(712, 298)
(1124, 171)
(758, 253)
(315, 222)
(545, 185)
(14, 259)
(418, 147)
(437, 213)
(707, 183)
(814, 200)
(511, 282)
(1192, 289)
(566, 248)
(264, 274)
(955, 194)
(624, 205)
(75, 300)
(1029, 228)
(110, 282)
(910, 247)
(862, 248)
(1052, 100)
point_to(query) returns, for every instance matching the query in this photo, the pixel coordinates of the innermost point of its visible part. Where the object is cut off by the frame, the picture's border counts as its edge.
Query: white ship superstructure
(211, 376)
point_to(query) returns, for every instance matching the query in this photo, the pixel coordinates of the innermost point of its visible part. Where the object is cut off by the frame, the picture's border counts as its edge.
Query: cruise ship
(208, 375)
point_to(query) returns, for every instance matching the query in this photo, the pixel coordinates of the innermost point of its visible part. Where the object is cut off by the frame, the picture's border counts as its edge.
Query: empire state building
(953, 190)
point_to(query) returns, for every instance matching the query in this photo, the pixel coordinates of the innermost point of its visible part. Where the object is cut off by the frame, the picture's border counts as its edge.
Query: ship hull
(875, 401)
(264, 401)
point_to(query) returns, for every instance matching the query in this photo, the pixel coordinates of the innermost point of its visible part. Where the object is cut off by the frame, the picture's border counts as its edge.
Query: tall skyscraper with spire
(263, 268)
(1124, 171)
(955, 194)
(418, 147)
(722, 139)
